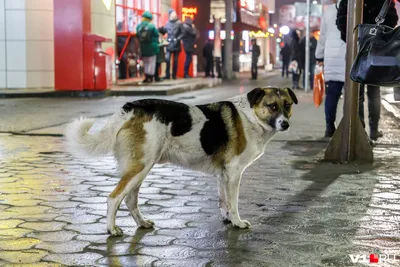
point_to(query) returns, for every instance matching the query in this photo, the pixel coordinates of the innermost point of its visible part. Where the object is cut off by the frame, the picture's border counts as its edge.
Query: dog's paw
(115, 231)
(147, 224)
(243, 224)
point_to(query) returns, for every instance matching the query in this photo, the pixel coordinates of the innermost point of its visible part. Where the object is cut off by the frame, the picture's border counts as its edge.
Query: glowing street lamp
(284, 30)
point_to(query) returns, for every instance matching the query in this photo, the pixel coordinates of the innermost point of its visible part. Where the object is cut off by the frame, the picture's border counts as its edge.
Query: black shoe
(146, 79)
(374, 135)
(187, 76)
(166, 77)
(173, 77)
(149, 79)
(158, 79)
(329, 132)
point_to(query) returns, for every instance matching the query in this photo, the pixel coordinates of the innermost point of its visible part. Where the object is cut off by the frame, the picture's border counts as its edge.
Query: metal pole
(228, 41)
(350, 142)
(307, 63)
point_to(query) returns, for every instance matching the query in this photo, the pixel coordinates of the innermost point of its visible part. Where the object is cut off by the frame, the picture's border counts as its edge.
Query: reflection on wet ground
(303, 212)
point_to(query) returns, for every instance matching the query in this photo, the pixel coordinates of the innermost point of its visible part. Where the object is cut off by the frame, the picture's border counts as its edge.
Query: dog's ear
(255, 96)
(292, 95)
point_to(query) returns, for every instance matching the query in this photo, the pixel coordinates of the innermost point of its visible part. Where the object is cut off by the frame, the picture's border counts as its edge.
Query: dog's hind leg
(232, 197)
(131, 201)
(132, 178)
(222, 199)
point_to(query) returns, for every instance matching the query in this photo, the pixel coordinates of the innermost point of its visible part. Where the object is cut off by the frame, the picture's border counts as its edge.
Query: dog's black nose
(285, 125)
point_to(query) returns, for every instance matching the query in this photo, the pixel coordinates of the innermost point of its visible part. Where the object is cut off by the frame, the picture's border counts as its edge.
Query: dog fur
(221, 138)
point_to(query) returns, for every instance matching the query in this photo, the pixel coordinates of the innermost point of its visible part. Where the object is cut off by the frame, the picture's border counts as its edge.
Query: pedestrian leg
(333, 91)
(168, 62)
(374, 110)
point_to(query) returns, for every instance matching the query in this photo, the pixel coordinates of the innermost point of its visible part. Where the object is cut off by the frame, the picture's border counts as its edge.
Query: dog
(221, 139)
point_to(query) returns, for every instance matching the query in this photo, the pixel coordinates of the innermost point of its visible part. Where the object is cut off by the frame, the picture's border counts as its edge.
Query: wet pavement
(304, 212)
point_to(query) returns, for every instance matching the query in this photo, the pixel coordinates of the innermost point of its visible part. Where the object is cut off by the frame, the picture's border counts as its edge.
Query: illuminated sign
(107, 4)
(259, 34)
(188, 12)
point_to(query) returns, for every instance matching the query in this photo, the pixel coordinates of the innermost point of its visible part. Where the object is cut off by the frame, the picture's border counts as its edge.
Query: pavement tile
(18, 244)
(43, 226)
(13, 233)
(183, 263)
(24, 256)
(9, 224)
(89, 228)
(173, 252)
(78, 218)
(58, 236)
(76, 259)
(72, 246)
(132, 260)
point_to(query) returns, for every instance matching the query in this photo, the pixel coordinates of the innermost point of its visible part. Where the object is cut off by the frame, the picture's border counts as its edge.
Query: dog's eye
(287, 105)
(273, 106)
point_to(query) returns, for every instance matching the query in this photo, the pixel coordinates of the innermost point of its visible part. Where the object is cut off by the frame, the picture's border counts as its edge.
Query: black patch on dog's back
(166, 112)
(214, 135)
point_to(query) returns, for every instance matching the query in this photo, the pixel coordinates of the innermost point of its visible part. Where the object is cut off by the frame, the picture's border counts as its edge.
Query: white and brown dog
(220, 138)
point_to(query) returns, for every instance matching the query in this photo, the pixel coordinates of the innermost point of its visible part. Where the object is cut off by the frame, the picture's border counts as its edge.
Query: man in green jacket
(148, 37)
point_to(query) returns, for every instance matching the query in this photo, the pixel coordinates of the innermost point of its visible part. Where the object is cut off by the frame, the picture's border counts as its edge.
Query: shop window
(129, 12)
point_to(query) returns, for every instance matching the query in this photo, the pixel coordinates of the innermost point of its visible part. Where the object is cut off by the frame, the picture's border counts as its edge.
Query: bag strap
(382, 14)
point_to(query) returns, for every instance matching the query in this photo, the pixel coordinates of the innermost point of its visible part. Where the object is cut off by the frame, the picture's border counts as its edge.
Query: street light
(271, 30)
(284, 30)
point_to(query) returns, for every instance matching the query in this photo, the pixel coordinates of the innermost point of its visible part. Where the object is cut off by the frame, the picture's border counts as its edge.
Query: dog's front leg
(232, 196)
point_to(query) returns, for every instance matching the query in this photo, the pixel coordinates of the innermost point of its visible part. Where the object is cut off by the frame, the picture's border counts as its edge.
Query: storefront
(127, 16)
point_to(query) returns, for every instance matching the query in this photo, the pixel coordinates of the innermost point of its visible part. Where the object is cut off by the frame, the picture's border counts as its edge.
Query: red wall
(71, 20)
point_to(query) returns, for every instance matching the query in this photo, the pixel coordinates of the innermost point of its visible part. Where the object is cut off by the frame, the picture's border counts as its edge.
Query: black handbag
(378, 59)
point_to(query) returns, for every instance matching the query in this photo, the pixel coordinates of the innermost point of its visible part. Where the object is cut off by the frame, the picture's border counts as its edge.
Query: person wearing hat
(148, 38)
(174, 32)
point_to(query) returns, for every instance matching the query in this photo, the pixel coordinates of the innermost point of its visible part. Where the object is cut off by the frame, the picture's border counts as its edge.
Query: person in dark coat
(297, 55)
(285, 56)
(208, 51)
(173, 29)
(313, 61)
(255, 53)
(188, 38)
(371, 11)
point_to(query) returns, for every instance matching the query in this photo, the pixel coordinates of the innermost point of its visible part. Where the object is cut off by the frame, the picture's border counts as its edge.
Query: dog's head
(272, 107)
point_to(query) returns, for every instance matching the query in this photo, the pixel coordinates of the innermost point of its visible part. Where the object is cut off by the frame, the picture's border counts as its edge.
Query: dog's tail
(82, 143)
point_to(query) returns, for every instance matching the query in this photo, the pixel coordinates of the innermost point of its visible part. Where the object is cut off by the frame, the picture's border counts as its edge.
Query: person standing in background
(371, 11)
(148, 37)
(285, 57)
(296, 53)
(313, 46)
(208, 53)
(188, 38)
(255, 53)
(330, 54)
(173, 29)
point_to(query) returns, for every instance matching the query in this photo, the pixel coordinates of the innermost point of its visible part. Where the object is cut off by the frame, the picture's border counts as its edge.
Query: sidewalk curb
(207, 83)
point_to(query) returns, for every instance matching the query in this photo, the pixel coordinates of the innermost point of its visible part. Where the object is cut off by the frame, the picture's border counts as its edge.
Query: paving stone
(91, 199)
(171, 223)
(25, 256)
(173, 252)
(134, 260)
(59, 236)
(93, 238)
(18, 244)
(72, 246)
(78, 218)
(13, 233)
(9, 224)
(43, 226)
(92, 228)
(183, 263)
(77, 259)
